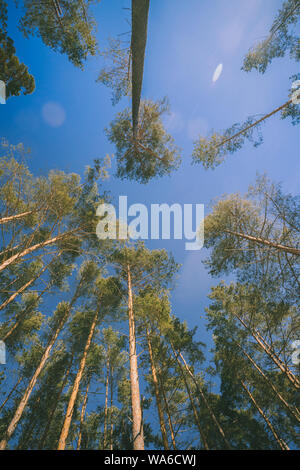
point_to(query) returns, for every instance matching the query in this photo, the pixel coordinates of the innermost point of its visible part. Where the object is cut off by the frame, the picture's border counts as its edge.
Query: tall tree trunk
(54, 408)
(27, 432)
(137, 418)
(268, 350)
(106, 402)
(27, 284)
(195, 413)
(29, 250)
(168, 414)
(200, 391)
(157, 395)
(18, 414)
(111, 424)
(19, 411)
(262, 241)
(66, 426)
(82, 414)
(139, 23)
(280, 442)
(294, 413)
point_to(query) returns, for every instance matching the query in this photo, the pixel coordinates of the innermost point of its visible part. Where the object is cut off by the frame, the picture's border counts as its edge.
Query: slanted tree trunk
(157, 395)
(54, 408)
(111, 424)
(82, 414)
(5, 220)
(201, 393)
(106, 401)
(254, 124)
(10, 393)
(195, 413)
(27, 284)
(168, 414)
(68, 418)
(137, 419)
(18, 414)
(279, 441)
(263, 241)
(20, 409)
(268, 350)
(294, 413)
(21, 316)
(27, 431)
(29, 250)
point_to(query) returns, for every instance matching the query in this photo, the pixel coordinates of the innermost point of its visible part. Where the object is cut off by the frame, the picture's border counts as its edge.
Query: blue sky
(186, 42)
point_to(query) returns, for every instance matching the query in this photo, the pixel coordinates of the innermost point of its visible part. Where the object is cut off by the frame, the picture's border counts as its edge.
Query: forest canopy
(123, 344)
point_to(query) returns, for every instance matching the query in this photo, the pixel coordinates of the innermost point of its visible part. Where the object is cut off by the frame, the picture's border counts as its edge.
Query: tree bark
(18, 414)
(268, 350)
(139, 21)
(157, 395)
(254, 124)
(25, 252)
(50, 419)
(213, 416)
(68, 418)
(27, 431)
(195, 413)
(111, 425)
(19, 411)
(106, 402)
(82, 414)
(10, 218)
(262, 241)
(137, 419)
(168, 414)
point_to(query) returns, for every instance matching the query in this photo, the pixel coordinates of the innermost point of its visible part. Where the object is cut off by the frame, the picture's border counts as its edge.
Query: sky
(63, 121)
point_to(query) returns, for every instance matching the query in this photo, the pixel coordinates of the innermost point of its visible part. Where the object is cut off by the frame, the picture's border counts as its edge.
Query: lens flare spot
(217, 73)
(53, 114)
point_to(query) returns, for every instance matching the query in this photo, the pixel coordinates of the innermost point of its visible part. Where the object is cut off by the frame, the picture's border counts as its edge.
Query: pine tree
(212, 150)
(14, 73)
(65, 26)
(139, 267)
(58, 321)
(148, 153)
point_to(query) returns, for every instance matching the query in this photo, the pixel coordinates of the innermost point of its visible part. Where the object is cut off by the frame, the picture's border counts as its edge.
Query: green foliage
(292, 110)
(238, 358)
(280, 41)
(14, 174)
(152, 309)
(211, 151)
(14, 73)
(117, 74)
(45, 296)
(150, 269)
(65, 26)
(152, 153)
(58, 205)
(265, 214)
